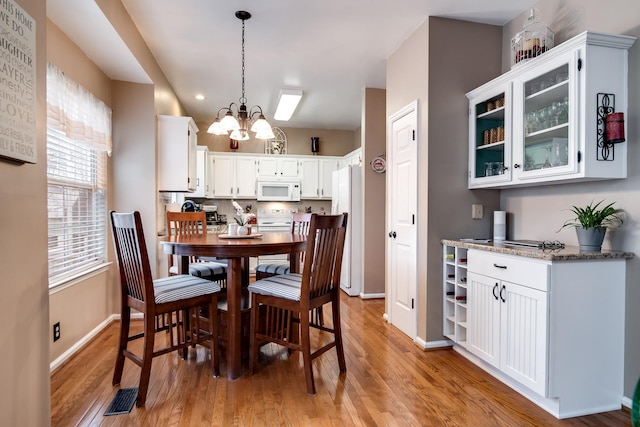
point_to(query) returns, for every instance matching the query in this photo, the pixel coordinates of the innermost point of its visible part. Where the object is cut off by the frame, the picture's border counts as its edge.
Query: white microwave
(278, 191)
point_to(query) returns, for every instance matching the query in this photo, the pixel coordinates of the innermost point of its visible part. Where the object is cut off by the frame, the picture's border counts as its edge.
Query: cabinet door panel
(245, 177)
(223, 172)
(523, 350)
(546, 120)
(309, 182)
(326, 177)
(483, 310)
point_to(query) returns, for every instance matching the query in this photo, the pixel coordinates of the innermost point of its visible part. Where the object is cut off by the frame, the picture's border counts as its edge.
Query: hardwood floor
(389, 381)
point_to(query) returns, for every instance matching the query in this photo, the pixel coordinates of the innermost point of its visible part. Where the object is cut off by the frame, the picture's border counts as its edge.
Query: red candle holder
(614, 128)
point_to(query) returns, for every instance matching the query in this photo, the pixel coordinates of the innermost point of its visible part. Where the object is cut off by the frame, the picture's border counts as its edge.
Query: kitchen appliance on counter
(347, 197)
(190, 206)
(215, 221)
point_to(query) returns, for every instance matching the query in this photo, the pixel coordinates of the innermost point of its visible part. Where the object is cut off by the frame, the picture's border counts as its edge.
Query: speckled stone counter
(568, 253)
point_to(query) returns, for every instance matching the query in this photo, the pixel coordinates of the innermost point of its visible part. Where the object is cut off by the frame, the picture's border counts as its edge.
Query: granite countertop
(568, 253)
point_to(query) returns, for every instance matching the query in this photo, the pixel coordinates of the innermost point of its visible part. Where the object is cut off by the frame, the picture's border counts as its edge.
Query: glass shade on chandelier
(238, 124)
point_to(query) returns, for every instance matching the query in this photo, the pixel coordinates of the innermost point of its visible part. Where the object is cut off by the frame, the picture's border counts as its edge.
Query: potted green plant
(591, 223)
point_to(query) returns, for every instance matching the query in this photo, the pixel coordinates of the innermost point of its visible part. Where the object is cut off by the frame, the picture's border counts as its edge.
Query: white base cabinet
(455, 294)
(552, 330)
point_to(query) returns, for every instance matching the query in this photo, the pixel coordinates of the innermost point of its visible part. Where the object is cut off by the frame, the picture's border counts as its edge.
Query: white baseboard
(372, 296)
(59, 361)
(428, 345)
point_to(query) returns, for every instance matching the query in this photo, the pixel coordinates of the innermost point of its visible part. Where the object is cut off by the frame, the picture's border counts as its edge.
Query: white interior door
(402, 196)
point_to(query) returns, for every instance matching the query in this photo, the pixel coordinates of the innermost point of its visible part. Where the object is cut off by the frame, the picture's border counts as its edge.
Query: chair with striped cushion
(180, 297)
(190, 223)
(281, 305)
(299, 225)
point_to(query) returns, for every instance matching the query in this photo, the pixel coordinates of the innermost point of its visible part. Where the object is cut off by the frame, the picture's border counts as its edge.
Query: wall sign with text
(17, 84)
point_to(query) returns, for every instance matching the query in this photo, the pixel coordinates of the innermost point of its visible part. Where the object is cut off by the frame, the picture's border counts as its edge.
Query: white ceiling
(331, 49)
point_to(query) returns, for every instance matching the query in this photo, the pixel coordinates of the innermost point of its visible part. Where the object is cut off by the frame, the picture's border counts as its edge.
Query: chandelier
(237, 123)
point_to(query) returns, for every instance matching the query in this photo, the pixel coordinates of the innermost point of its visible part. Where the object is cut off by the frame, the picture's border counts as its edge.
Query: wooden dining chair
(179, 296)
(281, 304)
(193, 223)
(299, 225)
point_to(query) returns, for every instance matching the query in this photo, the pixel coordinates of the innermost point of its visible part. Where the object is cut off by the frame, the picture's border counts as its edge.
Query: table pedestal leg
(234, 340)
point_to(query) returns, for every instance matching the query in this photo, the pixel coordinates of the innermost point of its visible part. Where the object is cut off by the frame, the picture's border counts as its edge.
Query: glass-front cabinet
(546, 122)
(489, 133)
(543, 121)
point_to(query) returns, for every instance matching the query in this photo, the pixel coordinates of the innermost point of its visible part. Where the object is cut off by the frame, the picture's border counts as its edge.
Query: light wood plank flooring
(389, 381)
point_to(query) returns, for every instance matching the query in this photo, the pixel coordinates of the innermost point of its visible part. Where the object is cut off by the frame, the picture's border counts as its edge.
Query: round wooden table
(237, 251)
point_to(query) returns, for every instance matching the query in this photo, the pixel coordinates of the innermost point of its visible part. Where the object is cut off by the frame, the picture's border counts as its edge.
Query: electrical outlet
(476, 211)
(56, 331)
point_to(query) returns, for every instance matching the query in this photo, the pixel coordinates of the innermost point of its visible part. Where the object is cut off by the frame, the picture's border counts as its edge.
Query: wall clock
(379, 164)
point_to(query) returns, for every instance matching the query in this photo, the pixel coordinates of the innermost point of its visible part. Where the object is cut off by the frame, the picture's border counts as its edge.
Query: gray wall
(539, 211)
(450, 78)
(429, 67)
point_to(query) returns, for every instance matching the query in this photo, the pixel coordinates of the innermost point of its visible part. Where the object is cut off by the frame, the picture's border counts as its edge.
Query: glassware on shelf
(488, 169)
(547, 162)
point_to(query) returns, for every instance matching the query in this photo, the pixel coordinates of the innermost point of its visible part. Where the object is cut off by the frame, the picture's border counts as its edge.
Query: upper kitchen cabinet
(177, 147)
(278, 167)
(316, 177)
(543, 122)
(203, 189)
(233, 176)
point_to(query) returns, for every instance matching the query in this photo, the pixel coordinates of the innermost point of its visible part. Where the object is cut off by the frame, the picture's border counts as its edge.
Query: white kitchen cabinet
(455, 294)
(233, 176)
(177, 147)
(550, 325)
(508, 321)
(202, 175)
(309, 178)
(352, 158)
(278, 167)
(316, 177)
(542, 122)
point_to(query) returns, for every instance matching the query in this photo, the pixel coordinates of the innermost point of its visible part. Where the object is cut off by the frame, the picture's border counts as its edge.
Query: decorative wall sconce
(610, 126)
(315, 144)
(614, 128)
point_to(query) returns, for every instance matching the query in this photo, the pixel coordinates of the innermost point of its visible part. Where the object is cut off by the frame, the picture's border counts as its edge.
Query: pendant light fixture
(238, 123)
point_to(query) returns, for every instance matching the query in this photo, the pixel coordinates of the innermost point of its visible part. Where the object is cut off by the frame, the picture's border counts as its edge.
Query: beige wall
(24, 371)
(438, 76)
(407, 81)
(96, 292)
(132, 170)
(374, 137)
(332, 142)
(539, 211)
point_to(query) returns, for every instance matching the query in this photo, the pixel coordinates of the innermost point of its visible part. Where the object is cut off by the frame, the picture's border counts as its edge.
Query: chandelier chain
(243, 100)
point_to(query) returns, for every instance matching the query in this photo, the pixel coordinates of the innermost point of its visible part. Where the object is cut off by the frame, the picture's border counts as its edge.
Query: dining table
(237, 250)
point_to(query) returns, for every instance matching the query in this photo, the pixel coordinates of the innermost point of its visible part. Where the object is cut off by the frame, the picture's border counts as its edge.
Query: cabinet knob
(516, 166)
(495, 288)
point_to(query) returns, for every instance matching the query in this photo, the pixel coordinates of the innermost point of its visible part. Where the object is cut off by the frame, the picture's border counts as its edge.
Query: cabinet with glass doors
(553, 116)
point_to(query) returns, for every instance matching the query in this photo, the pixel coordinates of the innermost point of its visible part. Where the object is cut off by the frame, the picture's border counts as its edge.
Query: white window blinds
(76, 177)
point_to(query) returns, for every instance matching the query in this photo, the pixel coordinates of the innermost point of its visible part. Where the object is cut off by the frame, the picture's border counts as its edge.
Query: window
(77, 147)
